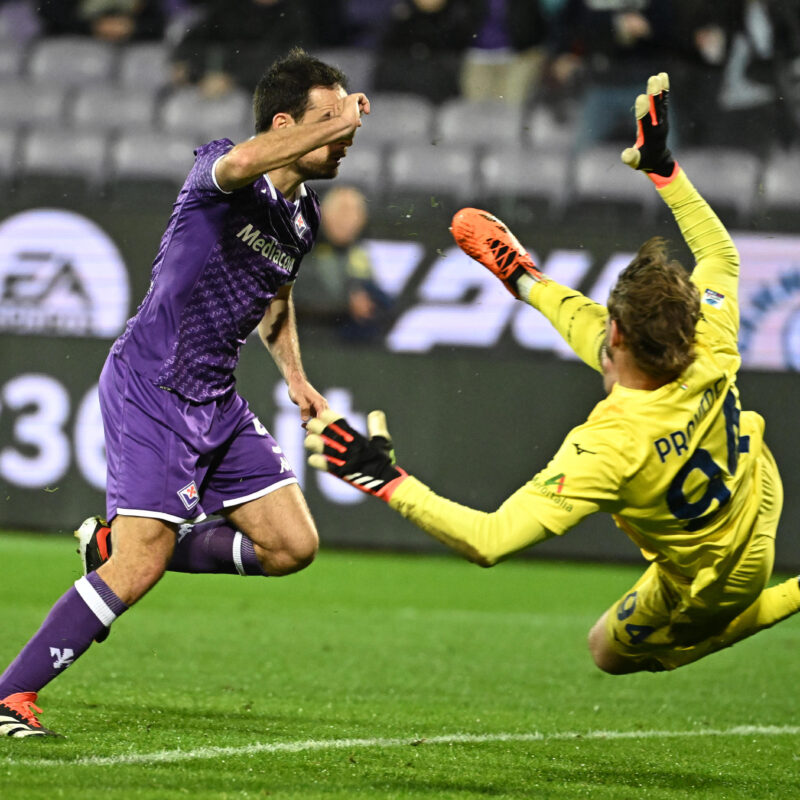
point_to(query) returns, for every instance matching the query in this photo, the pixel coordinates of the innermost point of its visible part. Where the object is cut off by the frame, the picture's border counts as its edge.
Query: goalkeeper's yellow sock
(773, 605)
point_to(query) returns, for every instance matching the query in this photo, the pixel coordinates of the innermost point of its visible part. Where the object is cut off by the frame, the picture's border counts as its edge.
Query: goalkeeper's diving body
(669, 452)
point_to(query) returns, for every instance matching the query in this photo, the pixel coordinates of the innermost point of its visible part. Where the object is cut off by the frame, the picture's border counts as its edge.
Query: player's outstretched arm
(716, 257)
(369, 464)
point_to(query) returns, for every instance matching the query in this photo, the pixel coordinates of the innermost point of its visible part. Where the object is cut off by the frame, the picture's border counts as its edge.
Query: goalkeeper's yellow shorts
(660, 625)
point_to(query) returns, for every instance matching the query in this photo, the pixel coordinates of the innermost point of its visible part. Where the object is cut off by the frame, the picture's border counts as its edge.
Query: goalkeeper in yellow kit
(669, 452)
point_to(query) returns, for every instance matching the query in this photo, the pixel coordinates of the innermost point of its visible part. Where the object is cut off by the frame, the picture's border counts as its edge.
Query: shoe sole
(84, 536)
(472, 237)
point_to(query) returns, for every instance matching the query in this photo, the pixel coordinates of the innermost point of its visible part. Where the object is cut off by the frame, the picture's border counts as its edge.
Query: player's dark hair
(656, 308)
(285, 86)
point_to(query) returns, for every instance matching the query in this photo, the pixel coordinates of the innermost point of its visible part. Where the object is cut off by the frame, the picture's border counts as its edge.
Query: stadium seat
(8, 155)
(188, 112)
(601, 179)
(12, 57)
(358, 65)
(144, 66)
(435, 170)
(107, 108)
(521, 172)
(51, 153)
(24, 103)
(727, 178)
(466, 122)
(71, 61)
(781, 180)
(544, 129)
(150, 156)
(397, 116)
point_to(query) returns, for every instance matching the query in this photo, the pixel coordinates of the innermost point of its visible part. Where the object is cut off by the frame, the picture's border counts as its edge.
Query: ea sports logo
(60, 274)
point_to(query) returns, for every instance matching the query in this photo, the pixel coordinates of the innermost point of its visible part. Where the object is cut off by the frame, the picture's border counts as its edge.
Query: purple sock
(72, 624)
(214, 546)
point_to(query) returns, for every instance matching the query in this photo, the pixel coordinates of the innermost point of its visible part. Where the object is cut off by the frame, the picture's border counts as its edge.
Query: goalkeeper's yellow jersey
(678, 467)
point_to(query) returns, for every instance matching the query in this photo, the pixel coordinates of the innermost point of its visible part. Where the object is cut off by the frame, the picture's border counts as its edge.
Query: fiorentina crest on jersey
(300, 224)
(189, 495)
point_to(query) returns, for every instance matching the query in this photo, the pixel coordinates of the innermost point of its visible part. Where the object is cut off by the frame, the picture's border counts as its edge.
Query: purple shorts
(177, 460)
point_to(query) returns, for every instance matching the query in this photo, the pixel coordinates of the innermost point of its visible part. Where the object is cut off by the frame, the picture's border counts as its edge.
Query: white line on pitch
(169, 756)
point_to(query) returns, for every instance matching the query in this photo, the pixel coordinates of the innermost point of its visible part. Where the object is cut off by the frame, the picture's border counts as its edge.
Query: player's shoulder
(216, 147)
(202, 177)
(611, 425)
(607, 428)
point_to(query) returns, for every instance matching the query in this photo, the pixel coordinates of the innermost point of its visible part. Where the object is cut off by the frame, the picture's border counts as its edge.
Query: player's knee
(604, 657)
(303, 548)
(609, 663)
(290, 553)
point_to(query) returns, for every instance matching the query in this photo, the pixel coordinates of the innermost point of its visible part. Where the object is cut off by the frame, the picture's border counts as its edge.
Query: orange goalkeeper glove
(650, 152)
(367, 464)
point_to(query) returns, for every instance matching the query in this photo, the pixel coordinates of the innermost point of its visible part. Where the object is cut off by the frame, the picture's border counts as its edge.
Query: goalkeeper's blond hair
(656, 308)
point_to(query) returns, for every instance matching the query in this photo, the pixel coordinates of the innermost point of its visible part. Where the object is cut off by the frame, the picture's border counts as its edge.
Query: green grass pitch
(375, 675)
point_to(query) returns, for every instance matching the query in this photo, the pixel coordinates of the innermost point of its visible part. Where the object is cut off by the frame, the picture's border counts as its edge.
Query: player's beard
(317, 170)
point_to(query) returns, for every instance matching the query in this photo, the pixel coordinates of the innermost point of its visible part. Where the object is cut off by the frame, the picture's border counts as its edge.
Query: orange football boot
(487, 239)
(18, 716)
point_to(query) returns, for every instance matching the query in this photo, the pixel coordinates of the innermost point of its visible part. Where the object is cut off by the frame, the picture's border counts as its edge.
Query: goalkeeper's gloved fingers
(367, 464)
(650, 153)
(378, 431)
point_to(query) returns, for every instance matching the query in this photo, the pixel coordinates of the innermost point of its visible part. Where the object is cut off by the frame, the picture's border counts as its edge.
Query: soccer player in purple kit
(180, 441)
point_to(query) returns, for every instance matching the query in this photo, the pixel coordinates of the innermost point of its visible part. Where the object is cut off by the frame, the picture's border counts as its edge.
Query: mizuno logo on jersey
(265, 246)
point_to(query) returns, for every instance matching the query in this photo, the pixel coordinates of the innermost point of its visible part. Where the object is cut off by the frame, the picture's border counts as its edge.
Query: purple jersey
(221, 261)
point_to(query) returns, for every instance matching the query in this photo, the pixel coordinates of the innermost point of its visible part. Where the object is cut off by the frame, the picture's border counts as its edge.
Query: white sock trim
(237, 553)
(97, 605)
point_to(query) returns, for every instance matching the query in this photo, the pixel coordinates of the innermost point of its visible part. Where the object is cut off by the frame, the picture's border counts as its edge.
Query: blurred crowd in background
(741, 55)
(503, 102)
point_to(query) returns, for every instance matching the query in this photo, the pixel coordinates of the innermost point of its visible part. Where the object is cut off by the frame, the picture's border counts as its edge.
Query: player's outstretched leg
(18, 716)
(488, 240)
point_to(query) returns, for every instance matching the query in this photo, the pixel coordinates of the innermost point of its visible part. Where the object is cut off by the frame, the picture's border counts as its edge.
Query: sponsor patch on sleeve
(713, 299)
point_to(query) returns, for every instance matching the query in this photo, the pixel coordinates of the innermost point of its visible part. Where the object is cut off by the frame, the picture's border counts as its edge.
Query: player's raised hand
(366, 463)
(650, 152)
(353, 107)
